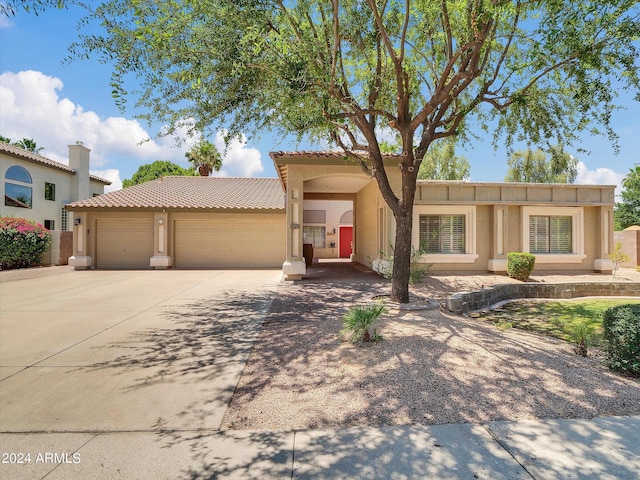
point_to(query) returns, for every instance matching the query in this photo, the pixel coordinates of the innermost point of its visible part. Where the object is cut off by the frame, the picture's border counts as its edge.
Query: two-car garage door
(194, 241)
(226, 240)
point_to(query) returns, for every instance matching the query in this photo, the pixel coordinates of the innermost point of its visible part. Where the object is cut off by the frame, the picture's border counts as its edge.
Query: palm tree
(205, 158)
(29, 145)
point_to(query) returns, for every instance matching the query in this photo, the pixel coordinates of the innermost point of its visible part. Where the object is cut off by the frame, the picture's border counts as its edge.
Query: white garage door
(230, 241)
(124, 243)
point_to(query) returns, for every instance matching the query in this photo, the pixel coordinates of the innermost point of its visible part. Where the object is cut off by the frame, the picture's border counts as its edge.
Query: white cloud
(238, 160)
(31, 107)
(599, 176)
(111, 174)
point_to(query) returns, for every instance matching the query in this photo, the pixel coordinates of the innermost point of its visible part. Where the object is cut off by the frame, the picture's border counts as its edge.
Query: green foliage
(558, 319)
(627, 213)
(417, 269)
(27, 144)
(157, 169)
(622, 335)
(503, 325)
(358, 322)
(22, 243)
(520, 265)
(618, 256)
(582, 334)
(441, 163)
(533, 167)
(205, 158)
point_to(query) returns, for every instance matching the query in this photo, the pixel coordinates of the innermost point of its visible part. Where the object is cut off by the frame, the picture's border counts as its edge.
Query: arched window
(19, 174)
(18, 194)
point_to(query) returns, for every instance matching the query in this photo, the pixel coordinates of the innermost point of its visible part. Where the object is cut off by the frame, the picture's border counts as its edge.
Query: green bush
(357, 322)
(22, 243)
(520, 265)
(621, 326)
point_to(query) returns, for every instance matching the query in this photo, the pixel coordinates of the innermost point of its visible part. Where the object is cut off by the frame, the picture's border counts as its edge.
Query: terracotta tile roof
(193, 193)
(34, 157)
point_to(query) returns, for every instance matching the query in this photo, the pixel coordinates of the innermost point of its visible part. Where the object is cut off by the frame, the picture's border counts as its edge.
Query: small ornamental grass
(22, 243)
(358, 323)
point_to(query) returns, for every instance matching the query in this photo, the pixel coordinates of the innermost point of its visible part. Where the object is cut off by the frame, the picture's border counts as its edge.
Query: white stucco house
(37, 188)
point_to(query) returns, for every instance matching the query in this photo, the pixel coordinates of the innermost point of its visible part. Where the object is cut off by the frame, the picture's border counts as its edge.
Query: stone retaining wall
(464, 302)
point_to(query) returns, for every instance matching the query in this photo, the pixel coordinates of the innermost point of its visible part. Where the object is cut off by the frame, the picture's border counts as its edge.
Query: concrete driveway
(90, 352)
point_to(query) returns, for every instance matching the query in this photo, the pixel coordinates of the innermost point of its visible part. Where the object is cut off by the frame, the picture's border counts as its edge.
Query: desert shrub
(520, 265)
(22, 242)
(417, 270)
(621, 326)
(357, 322)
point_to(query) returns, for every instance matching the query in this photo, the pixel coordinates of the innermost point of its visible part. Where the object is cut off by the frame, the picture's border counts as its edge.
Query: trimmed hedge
(621, 326)
(22, 242)
(520, 265)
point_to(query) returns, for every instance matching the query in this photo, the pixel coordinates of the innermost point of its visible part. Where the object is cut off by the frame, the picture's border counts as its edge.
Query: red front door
(346, 242)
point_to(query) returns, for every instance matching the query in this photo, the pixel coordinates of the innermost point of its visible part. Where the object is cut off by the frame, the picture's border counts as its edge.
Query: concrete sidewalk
(601, 448)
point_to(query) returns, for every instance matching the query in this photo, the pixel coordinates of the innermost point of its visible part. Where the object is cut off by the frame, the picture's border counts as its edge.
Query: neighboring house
(328, 201)
(37, 188)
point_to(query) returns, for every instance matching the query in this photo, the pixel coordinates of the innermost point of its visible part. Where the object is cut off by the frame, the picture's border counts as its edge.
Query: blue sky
(57, 104)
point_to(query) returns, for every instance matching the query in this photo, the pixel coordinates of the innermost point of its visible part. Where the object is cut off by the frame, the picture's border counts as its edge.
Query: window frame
(469, 213)
(10, 180)
(324, 236)
(577, 233)
(50, 191)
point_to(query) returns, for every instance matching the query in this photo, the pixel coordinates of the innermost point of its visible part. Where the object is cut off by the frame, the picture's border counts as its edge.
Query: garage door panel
(124, 243)
(224, 243)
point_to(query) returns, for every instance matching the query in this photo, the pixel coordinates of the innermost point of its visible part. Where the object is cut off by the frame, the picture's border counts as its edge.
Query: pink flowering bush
(22, 242)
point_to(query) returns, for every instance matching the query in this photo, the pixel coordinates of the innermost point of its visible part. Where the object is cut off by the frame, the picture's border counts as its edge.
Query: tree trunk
(402, 256)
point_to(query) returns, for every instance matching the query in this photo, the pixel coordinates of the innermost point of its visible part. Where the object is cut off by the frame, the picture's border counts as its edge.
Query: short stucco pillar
(160, 260)
(498, 260)
(80, 259)
(294, 266)
(604, 264)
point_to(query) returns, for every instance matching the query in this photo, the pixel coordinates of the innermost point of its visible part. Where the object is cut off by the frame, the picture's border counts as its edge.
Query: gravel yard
(431, 368)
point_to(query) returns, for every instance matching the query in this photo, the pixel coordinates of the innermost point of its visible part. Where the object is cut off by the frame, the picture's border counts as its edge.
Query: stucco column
(498, 260)
(80, 259)
(294, 266)
(161, 259)
(603, 264)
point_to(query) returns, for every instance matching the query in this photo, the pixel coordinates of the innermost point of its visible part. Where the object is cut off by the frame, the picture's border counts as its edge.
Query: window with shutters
(442, 233)
(550, 234)
(553, 234)
(445, 233)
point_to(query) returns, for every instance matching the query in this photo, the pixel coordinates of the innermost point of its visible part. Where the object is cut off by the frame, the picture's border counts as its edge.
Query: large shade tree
(355, 70)
(533, 166)
(157, 169)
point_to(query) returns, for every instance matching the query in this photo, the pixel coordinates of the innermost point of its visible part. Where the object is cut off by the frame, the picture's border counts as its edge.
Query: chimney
(79, 163)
